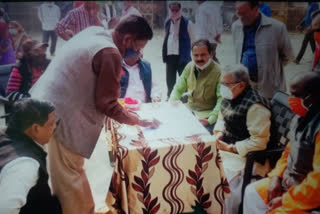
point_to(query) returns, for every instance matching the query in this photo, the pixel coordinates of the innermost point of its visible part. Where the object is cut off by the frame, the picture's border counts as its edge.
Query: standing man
(84, 84)
(308, 36)
(109, 10)
(78, 19)
(129, 9)
(263, 46)
(24, 184)
(209, 24)
(177, 44)
(49, 15)
(200, 79)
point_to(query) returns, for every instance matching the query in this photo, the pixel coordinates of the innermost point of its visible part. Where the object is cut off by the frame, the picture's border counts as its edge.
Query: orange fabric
(317, 38)
(262, 188)
(305, 196)
(281, 164)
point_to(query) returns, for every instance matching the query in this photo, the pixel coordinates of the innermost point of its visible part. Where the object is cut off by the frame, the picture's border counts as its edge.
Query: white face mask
(225, 92)
(13, 31)
(202, 67)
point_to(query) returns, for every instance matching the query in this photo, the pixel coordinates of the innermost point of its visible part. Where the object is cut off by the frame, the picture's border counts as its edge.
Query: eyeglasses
(228, 83)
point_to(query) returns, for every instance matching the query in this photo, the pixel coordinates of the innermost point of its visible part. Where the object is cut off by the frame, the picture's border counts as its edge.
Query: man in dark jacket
(177, 44)
(23, 174)
(136, 80)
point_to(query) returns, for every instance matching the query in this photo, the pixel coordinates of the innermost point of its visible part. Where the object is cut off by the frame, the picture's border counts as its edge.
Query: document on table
(176, 121)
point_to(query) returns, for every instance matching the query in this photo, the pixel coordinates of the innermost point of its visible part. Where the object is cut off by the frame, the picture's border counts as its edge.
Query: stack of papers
(176, 121)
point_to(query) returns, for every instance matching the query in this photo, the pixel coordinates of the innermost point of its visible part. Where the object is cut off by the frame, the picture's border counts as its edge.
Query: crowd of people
(102, 61)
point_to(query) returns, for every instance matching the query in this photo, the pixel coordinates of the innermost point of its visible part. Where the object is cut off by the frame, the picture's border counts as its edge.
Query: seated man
(136, 81)
(293, 186)
(23, 174)
(243, 124)
(200, 79)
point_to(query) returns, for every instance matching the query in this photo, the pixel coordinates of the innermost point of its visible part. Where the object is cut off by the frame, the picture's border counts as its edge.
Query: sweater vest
(235, 114)
(145, 75)
(202, 91)
(184, 41)
(39, 199)
(69, 83)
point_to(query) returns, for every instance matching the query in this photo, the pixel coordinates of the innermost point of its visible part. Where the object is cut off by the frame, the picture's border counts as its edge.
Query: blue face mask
(130, 53)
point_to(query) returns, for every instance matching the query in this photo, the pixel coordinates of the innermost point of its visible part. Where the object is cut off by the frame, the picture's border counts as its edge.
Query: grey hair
(239, 72)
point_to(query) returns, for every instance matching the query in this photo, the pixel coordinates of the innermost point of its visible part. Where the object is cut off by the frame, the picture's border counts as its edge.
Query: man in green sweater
(200, 81)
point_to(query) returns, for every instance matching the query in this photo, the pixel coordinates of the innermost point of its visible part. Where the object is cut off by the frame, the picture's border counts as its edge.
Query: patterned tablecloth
(181, 173)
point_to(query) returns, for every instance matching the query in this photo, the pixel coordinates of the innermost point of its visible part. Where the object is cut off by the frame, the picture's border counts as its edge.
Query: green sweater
(203, 93)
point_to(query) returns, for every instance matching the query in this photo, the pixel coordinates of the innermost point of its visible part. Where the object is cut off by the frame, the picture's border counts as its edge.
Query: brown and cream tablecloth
(176, 172)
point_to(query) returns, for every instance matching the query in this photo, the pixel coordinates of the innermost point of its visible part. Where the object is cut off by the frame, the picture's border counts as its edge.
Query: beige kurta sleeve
(219, 126)
(258, 125)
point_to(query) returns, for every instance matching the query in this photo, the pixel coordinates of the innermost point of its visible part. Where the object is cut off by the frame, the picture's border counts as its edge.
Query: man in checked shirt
(78, 19)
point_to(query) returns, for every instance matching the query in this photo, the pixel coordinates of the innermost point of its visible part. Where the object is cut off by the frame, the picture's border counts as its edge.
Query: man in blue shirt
(249, 57)
(308, 37)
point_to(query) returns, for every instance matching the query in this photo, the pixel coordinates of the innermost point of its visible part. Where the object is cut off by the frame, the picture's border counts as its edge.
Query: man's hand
(218, 136)
(204, 122)
(309, 29)
(274, 189)
(224, 146)
(67, 34)
(153, 124)
(275, 203)
(175, 102)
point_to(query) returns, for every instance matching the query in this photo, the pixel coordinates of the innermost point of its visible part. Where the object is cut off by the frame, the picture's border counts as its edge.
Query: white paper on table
(176, 121)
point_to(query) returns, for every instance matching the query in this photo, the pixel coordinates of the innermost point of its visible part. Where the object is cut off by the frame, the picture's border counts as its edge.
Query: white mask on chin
(202, 67)
(225, 92)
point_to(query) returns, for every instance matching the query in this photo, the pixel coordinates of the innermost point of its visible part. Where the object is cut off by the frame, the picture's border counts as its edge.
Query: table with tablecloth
(173, 169)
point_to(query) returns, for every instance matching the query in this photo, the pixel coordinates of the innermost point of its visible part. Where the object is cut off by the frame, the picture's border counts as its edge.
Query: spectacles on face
(228, 84)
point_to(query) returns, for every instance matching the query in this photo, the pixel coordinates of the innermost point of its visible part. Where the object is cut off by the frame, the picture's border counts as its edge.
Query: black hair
(175, 2)
(2, 12)
(254, 4)
(27, 112)
(202, 42)
(311, 83)
(135, 25)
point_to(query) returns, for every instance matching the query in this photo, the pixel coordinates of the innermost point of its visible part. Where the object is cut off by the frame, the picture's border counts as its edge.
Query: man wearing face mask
(243, 124)
(177, 44)
(200, 80)
(136, 80)
(293, 185)
(83, 82)
(29, 69)
(49, 16)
